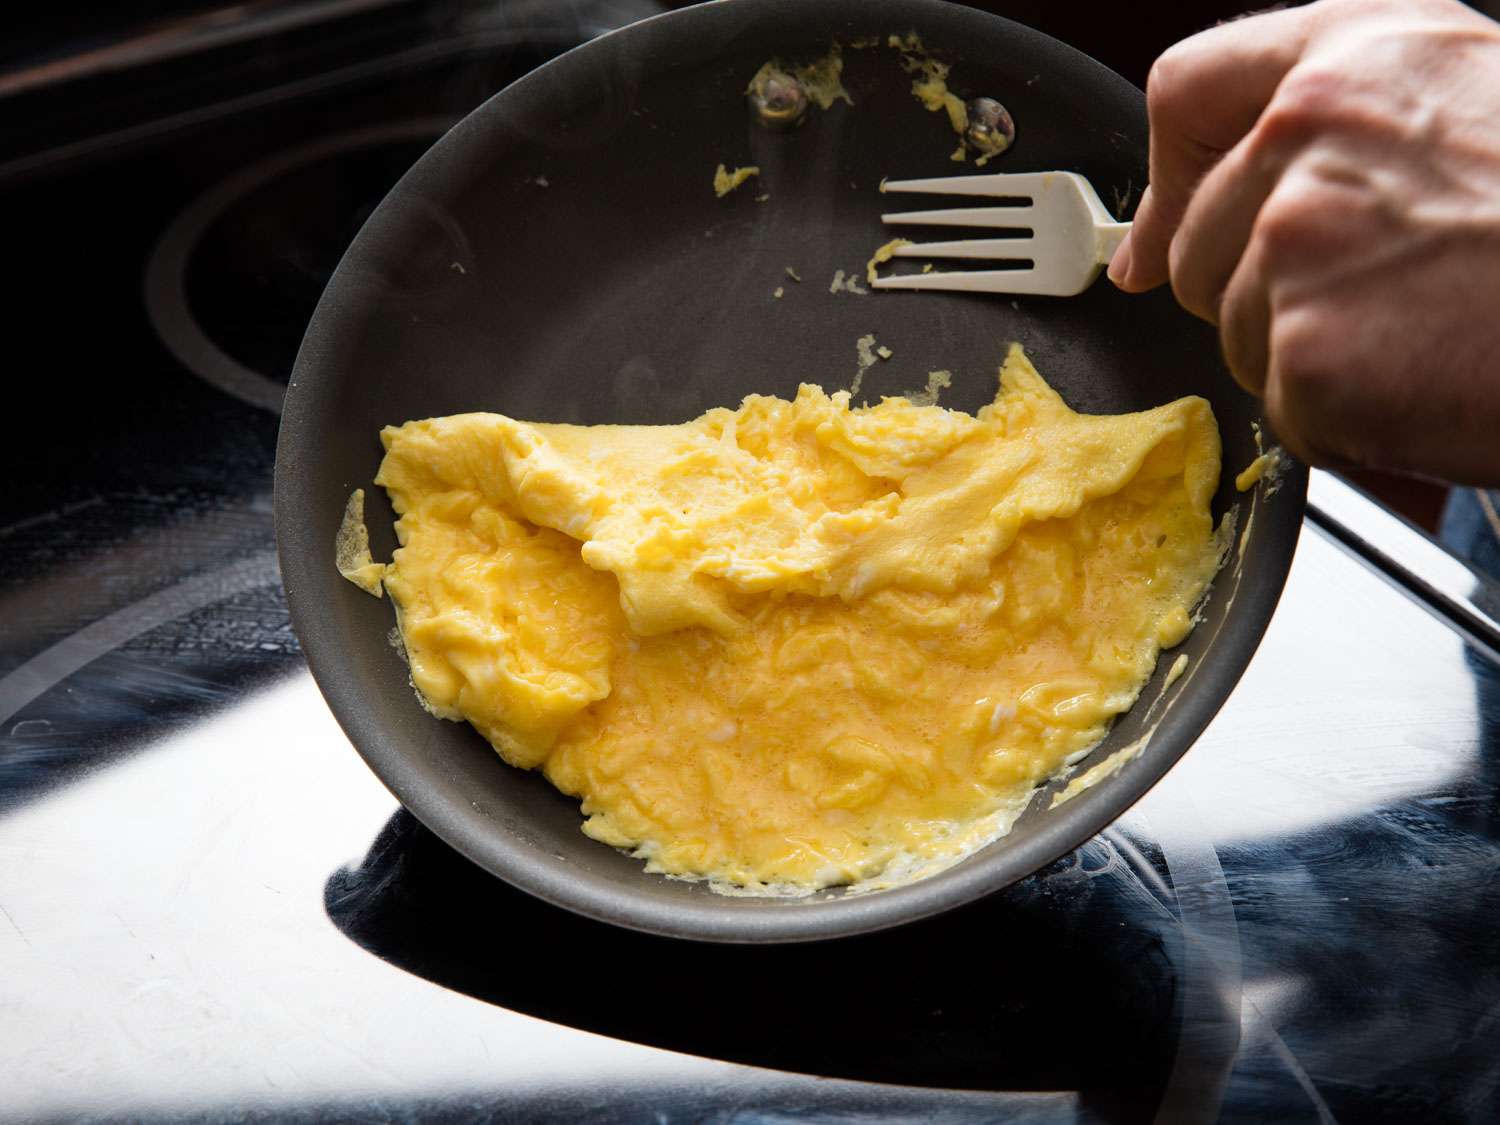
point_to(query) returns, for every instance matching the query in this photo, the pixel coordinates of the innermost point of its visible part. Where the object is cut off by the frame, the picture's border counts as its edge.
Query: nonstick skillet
(560, 255)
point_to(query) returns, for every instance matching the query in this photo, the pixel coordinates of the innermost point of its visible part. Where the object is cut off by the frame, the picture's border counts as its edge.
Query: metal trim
(1407, 557)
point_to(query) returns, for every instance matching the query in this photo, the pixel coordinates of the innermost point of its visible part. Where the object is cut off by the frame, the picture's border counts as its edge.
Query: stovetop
(211, 910)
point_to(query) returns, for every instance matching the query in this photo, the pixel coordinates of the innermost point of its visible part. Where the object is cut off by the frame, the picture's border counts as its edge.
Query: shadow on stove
(1054, 984)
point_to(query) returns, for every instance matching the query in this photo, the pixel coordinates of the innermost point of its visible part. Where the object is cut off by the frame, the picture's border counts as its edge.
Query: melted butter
(798, 643)
(351, 547)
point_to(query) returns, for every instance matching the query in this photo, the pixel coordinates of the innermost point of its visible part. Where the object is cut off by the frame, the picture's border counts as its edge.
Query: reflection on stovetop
(235, 277)
(143, 290)
(1356, 940)
(1371, 940)
(1296, 922)
(990, 997)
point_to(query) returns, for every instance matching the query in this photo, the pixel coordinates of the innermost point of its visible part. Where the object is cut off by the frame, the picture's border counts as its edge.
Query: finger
(1119, 262)
(1245, 322)
(1203, 96)
(1293, 228)
(1300, 416)
(1216, 226)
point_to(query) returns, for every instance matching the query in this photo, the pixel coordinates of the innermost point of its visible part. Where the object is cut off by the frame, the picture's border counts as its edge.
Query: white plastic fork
(1072, 237)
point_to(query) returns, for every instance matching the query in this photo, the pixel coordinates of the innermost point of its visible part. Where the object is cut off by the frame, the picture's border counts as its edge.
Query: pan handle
(1409, 559)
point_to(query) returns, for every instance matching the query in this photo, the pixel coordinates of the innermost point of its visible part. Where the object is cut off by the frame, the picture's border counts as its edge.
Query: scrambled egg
(883, 254)
(726, 181)
(1266, 465)
(930, 82)
(799, 644)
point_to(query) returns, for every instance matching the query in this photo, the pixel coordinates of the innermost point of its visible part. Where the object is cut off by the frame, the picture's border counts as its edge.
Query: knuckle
(1299, 430)
(1306, 442)
(1166, 85)
(1298, 435)
(1301, 354)
(1305, 103)
(1335, 99)
(1308, 393)
(1337, 12)
(1315, 216)
(1281, 226)
(1242, 337)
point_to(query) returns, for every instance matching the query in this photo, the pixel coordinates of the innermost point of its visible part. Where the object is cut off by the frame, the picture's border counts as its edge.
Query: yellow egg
(800, 643)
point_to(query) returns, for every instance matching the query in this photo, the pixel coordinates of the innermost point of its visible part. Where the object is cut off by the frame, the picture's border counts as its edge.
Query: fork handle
(1107, 239)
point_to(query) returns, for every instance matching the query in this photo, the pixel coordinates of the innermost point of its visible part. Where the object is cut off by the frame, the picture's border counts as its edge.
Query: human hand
(1325, 187)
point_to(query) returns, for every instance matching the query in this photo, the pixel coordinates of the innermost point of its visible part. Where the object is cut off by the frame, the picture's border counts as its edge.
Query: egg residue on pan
(781, 95)
(351, 548)
(725, 181)
(883, 254)
(930, 80)
(799, 644)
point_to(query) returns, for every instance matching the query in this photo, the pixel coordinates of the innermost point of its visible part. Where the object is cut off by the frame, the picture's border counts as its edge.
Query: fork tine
(973, 281)
(966, 217)
(996, 183)
(995, 248)
(1065, 234)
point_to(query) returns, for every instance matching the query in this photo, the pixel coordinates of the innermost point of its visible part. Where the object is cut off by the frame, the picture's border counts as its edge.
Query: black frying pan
(624, 291)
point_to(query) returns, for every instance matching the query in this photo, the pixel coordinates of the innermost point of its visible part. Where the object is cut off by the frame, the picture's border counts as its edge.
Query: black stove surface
(210, 910)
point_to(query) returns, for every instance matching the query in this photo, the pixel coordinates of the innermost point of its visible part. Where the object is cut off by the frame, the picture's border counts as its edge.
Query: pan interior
(561, 256)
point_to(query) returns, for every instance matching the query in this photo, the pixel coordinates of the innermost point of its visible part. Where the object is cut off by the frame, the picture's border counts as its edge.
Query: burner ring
(165, 280)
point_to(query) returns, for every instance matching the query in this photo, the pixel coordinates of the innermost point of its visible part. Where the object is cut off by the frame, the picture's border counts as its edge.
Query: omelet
(801, 643)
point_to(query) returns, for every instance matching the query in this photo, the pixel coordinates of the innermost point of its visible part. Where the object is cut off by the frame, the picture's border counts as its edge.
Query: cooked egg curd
(800, 643)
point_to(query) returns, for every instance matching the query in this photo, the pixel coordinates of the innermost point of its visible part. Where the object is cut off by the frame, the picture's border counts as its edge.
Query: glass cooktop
(210, 910)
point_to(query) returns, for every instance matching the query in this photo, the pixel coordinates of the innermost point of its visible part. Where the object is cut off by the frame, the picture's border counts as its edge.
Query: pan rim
(709, 918)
